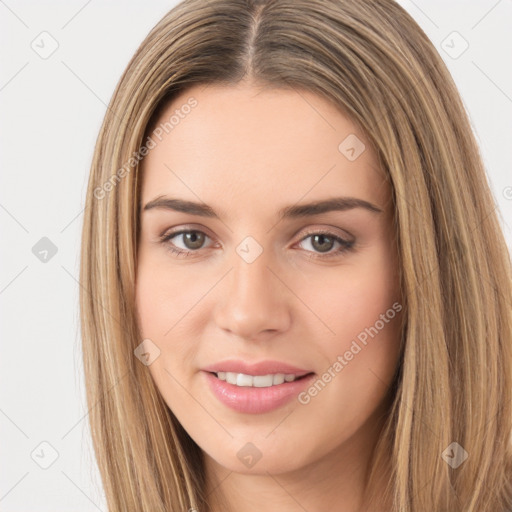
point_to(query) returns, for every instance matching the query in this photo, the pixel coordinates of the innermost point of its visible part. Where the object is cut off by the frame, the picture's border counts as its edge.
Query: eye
(193, 240)
(321, 241)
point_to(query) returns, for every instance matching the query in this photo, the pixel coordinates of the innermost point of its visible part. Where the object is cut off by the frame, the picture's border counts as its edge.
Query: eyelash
(346, 246)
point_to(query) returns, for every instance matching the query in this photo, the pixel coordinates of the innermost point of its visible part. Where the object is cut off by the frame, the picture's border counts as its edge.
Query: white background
(50, 111)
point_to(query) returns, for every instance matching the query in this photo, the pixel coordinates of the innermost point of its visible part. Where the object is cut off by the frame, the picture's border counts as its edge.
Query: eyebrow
(289, 212)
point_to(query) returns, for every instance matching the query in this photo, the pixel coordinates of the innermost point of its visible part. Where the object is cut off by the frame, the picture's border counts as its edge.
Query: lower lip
(253, 400)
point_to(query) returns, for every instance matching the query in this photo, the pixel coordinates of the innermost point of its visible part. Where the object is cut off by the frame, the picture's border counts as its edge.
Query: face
(250, 285)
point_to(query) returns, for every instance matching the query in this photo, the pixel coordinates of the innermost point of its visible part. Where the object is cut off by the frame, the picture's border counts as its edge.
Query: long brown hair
(454, 382)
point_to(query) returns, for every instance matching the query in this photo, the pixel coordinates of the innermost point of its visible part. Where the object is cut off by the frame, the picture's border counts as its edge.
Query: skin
(248, 152)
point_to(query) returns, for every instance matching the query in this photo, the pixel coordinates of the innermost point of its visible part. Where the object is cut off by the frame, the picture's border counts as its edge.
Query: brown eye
(192, 240)
(323, 243)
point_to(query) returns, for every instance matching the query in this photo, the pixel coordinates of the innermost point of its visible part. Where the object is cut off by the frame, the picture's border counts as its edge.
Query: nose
(254, 301)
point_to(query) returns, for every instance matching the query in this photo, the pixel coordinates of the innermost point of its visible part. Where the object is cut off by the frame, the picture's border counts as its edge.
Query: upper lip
(259, 368)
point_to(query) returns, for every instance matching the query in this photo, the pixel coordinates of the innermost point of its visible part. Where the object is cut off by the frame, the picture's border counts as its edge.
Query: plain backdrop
(60, 62)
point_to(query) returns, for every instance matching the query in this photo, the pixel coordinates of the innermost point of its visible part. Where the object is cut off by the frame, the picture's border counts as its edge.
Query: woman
(235, 361)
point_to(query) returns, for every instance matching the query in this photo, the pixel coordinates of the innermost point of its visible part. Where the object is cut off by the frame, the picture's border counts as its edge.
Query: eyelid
(330, 230)
(184, 227)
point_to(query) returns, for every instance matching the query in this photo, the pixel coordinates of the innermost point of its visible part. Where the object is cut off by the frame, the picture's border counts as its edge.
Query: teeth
(243, 380)
(278, 378)
(257, 381)
(260, 381)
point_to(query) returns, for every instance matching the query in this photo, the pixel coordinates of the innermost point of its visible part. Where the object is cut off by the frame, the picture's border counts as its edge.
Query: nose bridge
(251, 277)
(252, 301)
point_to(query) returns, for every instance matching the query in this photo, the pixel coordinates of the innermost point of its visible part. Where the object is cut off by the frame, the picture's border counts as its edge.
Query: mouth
(256, 394)
(258, 381)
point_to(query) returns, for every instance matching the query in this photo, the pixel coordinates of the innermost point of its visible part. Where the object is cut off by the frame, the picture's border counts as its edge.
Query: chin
(259, 457)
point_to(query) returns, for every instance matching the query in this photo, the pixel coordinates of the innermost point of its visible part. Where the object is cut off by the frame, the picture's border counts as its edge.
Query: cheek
(360, 310)
(164, 296)
(353, 297)
(361, 359)
(165, 306)
(153, 304)
(163, 319)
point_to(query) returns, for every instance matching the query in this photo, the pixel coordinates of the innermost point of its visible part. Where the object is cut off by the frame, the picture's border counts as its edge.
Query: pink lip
(261, 368)
(253, 400)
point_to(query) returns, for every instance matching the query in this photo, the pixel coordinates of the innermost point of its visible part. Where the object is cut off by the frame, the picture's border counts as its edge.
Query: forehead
(272, 146)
